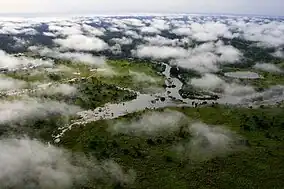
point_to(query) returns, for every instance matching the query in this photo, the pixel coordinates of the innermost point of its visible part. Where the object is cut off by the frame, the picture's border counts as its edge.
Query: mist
(268, 67)
(7, 83)
(85, 58)
(63, 89)
(213, 83)
(31, 164)
(21, 110)
(208, 141)
(150, 124)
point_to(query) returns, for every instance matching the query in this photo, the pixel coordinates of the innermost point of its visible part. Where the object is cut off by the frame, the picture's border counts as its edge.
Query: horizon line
(55, 14)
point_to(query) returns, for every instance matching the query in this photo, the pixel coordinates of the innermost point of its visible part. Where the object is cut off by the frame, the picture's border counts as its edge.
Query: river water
(169, 98)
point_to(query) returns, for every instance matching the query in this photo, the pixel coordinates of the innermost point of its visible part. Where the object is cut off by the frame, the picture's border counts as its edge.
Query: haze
(259, 7)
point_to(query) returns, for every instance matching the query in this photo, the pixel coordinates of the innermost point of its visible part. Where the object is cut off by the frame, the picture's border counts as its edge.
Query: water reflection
(243, 75)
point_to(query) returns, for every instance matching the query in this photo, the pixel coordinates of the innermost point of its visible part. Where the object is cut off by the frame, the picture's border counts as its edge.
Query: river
(169, 98)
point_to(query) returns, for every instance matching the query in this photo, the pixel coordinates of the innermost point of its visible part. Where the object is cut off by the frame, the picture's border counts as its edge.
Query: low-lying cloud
(158, 52)
(268, 67)
(11, 28)
(208, 57)
(209, 31)
(142, 77)
(208, 141)
(150, 30)
(63, 89)
(122, 41)
(211, 82)
(12, 63)
(161, 41)
(150, 124)
(71, 56)
(31, 164)
(81, 43)
(21, 110)
(272, 95)
(10, 84)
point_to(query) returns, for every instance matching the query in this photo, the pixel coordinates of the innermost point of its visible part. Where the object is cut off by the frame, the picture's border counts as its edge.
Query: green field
(259, 165)
(134, 75)
(163, 159)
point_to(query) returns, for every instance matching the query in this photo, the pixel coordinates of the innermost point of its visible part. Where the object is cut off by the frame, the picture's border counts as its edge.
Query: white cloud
(211, 82)
(205, 47)
(63, 89)
(201, 62)
(83, 58)
(133, 34)
(10, 84)
(267, 67)
(208, 82)
(19, 42)
(116, 49)
(113, 29)
(60, 29)
(134, 22)
(122, 41)
(17, 28)
(31, 164)
(160, 41)
(229, 54)
(150, 123)
(142, 77)
(272, 95)
(49, 34)
(11, 62)
(215, 136)
(82, 43)
(27, 163)
(209, 31)
(207, 57)
(119, 23)
(92, 30)
(279, 53)
(32, 108)
(235, 89)
(158, 52)
(271, 34)
(72, 56)
(208, 142)
(184, 31)
(160, 24)
(150, 30)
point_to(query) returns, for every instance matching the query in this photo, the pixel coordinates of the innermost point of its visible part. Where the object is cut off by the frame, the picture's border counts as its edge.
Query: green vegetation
(62, 71)
(94, 93)
(184, 74)
(35, 128)
(188, 91)
(29, 76)
(133, 75)
(269, 79)
(154, 158)
(259, 166)
(79, 67)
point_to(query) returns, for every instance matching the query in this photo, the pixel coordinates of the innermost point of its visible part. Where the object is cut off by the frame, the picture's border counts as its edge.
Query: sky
(258, 7)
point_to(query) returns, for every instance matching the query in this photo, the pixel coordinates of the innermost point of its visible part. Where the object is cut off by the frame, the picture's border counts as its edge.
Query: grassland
(132, 75)
(268, 78)
(94, 93)
(260, 165)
